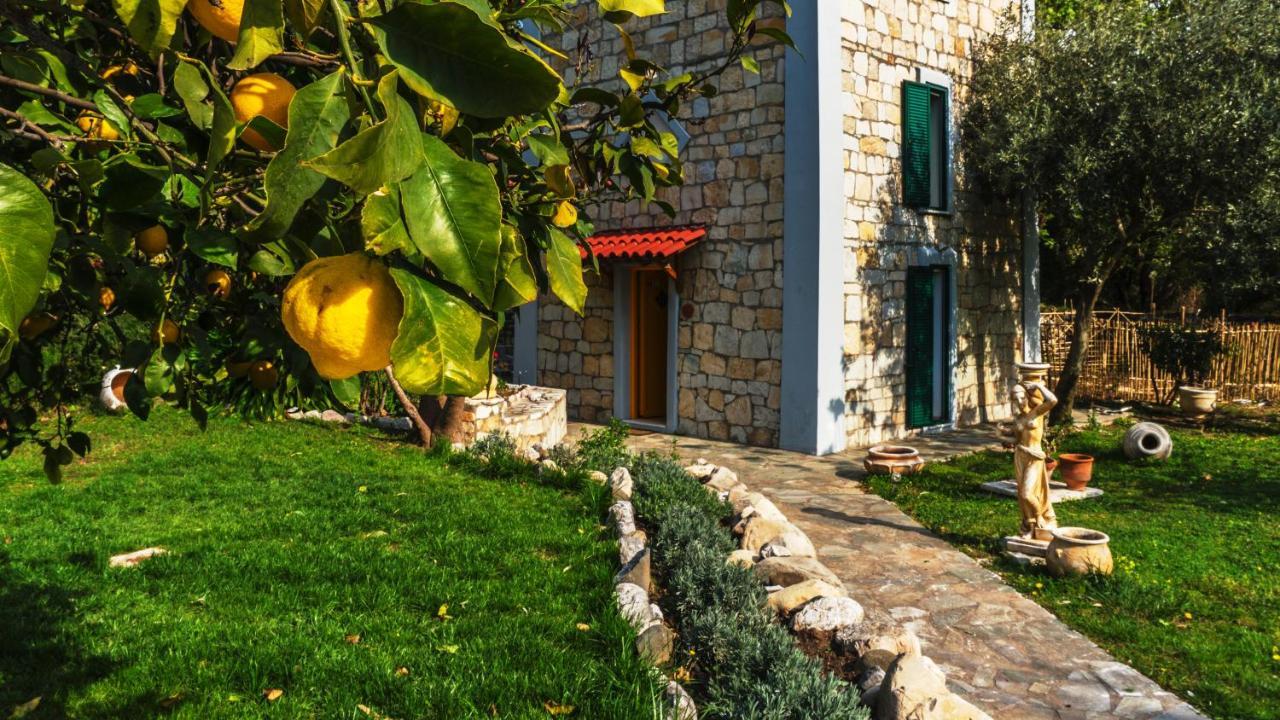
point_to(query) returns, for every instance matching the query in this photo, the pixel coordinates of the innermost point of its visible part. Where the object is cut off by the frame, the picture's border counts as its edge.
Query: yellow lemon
(345, 312)
(220, 17)
(263, 375)
(167, 333)
(265, 94)
(97, 127)
(107, 298)
(152, 241)
(566, 215)
(218, 283)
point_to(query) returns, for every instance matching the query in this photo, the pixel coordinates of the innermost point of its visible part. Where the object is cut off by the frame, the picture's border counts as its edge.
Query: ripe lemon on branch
(220, 17)
(265, 94)
(345, 312)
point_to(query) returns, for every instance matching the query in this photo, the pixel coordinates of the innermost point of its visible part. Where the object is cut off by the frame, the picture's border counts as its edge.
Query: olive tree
(1142, 130)
(167, 166)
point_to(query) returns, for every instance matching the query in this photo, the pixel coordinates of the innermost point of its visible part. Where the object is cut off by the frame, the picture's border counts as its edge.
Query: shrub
(751, 667)
(1187, 352)
(661, 483)
(603, 450)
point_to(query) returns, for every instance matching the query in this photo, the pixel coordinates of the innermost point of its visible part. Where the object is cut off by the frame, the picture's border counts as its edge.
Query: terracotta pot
(893, 460)
(112, 390)
(1079, 551)
(1197, 402)
(1077, 469)
(1051, 466)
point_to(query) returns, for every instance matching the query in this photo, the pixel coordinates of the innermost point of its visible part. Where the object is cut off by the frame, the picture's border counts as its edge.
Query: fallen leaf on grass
(352, 639)
(555, 708)
(172, 700)
(443, 613)
(583, 627)
(26, 708)
(272, 694)
(402, 671)
(451, 649)
(372, 713)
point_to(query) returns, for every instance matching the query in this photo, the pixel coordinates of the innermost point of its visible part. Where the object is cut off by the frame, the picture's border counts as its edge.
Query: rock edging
(655, 640)
(898, 682)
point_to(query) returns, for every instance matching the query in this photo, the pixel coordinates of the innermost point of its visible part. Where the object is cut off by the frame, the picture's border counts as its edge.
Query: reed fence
(1116, 368)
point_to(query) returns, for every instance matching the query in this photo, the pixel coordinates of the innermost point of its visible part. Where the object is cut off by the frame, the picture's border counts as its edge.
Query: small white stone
(629, 545)
(827, 613)
(676, 703)
(620, 484)
(633, 603)
(134, 558)
(624, 517)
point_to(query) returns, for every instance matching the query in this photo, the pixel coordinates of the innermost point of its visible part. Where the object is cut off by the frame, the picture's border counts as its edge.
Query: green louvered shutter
(919, 346)
(915, 144)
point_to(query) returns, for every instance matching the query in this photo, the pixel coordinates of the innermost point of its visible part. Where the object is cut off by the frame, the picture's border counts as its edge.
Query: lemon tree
(253, 203)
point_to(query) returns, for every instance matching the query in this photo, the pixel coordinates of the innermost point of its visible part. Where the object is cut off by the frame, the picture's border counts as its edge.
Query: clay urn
(1076, 469)
(1197, 403)
(1079, 551)
(893, 460)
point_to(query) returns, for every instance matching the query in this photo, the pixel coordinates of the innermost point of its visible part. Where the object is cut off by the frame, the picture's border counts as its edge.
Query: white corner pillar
(813, 406)
(1030, 240)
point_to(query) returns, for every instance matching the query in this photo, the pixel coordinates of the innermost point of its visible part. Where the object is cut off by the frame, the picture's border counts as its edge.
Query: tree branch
(424, 432)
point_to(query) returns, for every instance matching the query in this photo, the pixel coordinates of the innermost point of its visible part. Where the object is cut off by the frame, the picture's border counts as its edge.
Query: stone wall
(884, 44)
(729, 351)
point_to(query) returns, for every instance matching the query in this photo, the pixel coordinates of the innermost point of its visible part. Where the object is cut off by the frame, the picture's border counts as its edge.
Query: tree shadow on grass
(39, 653)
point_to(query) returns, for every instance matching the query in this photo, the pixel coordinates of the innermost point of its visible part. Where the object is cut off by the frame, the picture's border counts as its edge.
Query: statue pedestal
(1058, 491)
(1024, 551)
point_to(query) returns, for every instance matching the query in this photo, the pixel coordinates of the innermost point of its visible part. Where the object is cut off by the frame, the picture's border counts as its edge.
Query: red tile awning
(648, 244)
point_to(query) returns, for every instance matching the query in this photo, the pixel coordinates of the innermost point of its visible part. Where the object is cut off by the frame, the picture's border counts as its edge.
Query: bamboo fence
(1116, 368)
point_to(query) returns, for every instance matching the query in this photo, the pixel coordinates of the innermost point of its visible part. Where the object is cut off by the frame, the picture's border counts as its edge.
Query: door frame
(943, 258)
(622, 349)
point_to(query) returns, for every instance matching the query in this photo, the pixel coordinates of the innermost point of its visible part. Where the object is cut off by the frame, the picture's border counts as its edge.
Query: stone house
(905, 299)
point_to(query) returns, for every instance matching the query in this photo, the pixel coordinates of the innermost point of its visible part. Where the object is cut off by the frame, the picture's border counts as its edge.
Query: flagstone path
(1000, 650)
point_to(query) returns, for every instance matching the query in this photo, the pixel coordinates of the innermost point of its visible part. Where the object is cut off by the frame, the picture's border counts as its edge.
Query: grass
(286, 542)
(1195, 599)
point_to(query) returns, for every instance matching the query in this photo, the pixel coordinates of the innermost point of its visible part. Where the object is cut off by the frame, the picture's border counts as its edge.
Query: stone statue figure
(1032, 401)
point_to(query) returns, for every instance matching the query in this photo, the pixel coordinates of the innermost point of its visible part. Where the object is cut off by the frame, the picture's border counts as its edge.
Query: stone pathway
(1000, 650)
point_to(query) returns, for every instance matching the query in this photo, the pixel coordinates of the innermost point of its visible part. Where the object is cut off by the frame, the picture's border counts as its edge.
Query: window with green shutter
(926, 153)
(928, 361)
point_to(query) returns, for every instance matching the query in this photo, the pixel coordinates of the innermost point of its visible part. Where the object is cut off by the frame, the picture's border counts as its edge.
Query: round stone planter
(1197, 402)
(1079, 551)
(893, 460)
(1076, 470)
(112, 391)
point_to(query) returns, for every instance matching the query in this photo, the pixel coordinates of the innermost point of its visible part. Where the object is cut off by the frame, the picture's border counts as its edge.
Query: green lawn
(1195, 600)
(287, 541)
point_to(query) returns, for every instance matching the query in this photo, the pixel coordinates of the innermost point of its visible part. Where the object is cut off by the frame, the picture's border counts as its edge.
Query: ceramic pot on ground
(1076, 469)
(893, 460)
(1079, 551)
(112, 390)
(1197, 402)
(1051, 466)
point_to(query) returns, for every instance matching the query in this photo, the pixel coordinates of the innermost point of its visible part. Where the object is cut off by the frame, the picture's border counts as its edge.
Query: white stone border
(809, 597)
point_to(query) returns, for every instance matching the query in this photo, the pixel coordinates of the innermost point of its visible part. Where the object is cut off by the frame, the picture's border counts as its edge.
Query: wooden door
(649, 308)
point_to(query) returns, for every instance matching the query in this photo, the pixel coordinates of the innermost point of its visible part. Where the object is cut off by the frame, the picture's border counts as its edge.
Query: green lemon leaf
(261, 33)
(129, 182)
(453, 214)
(447, 52)
(564, 270)
(26, 239)
(212, 244)
(548, 150)
(443, 344)
(316, 116)
(192, 88)
(304, 15)
(381, 224)
(150, 22)
(380, 155)
(517, 283)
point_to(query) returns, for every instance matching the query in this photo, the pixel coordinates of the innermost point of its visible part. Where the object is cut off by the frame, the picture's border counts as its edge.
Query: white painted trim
(813, 401)
(524, 360)
(622, 352)
(1030, 280)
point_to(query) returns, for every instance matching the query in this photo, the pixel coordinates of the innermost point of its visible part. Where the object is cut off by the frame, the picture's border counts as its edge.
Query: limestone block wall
(729, 350)
(884, 43)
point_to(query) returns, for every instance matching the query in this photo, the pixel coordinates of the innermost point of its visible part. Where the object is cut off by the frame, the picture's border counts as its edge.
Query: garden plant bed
(1195, 600)
(340, 568)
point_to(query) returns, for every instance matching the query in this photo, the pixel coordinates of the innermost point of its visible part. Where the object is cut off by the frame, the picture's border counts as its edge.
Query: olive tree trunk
(1073, 367)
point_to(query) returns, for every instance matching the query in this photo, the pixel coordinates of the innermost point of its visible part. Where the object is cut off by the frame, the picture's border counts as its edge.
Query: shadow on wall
(987, 282)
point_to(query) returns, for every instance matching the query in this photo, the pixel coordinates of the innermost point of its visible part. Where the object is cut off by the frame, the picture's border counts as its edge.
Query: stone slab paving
(1000, 650)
